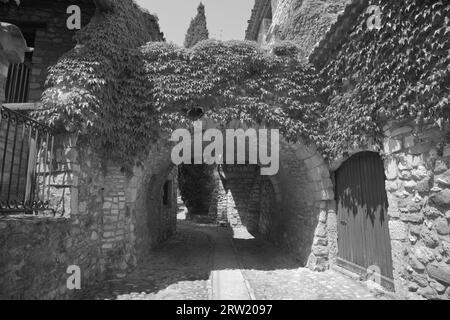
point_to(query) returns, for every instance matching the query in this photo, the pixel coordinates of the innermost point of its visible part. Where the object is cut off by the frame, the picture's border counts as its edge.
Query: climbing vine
(400, 71)
(120, 94)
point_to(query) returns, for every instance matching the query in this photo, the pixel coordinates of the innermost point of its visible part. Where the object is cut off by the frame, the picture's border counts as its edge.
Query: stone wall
(239, 181)
(418, 186)
(304, 21)
(36, 253)
(36, 250)
(106, 219)
(47, 24)
(305, 188)
(153, 221)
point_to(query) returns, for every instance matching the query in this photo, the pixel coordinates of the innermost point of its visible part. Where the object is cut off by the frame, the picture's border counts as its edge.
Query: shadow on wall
(155, 208)
(250, 200)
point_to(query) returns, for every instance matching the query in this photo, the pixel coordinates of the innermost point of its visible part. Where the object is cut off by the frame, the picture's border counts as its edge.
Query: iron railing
(18, 83)
(26, 155)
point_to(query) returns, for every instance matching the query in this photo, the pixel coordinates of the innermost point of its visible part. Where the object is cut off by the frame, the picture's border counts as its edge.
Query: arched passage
(289, 208)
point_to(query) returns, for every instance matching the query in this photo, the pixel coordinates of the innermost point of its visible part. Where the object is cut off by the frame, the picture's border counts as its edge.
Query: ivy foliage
(120, 94)
(198, 30)
(90, 88)
(400, 71)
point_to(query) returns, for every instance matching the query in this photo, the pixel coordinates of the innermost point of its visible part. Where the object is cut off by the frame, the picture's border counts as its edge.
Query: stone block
(441, 198)
(410, 186)
(420, 173)
(442, 227)
(314, 161)
(320, 251)
(446, 151)
(421, 148)
(409, 142)
(416, 264)
(429, 238)
(427, 293)
(391, 169)
(392, 145)
(439, 272)
(424, 185)
(423, 254)
(398, 230)
(321, 230)
(391, 186)
(400, 131)
(420, 279)
(438, 287)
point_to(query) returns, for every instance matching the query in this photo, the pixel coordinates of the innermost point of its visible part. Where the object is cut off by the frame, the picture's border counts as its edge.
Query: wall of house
(106, 219)
(418, 186)
(417, 170)
(52, 37)
(304, 21)
(37, 250)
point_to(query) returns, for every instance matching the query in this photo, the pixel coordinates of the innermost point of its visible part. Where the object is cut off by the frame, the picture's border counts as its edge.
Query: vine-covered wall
(399, 71)
(387, 91)
(159, 83)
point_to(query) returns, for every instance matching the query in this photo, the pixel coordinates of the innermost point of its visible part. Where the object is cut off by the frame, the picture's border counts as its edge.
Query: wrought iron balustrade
(26, 155)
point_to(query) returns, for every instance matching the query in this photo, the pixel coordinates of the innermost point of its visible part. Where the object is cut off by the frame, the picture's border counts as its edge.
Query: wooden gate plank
(362, 212)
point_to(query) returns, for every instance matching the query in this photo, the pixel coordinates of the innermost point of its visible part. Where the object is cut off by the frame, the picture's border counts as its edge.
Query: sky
(226, 19)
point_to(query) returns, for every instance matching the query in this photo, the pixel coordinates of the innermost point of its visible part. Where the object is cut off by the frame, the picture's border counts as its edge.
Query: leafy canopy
(124, 100)
(401, 71)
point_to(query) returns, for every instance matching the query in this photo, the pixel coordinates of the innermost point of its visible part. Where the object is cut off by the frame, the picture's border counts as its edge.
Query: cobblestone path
(203, 262)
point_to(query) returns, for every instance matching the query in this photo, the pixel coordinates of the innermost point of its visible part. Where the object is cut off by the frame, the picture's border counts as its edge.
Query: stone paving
(177, 270)
(183, 267)
(274, 275)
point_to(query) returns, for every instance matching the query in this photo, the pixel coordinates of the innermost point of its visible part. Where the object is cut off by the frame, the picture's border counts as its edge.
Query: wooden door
(363, 232)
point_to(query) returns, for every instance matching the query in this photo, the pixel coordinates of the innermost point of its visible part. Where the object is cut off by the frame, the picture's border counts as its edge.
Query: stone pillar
(12, 50)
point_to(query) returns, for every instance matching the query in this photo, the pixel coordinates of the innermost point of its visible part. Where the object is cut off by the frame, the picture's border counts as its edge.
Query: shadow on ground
(181, 267)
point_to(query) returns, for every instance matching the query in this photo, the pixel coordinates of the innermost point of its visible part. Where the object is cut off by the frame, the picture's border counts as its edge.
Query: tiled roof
(259, 11)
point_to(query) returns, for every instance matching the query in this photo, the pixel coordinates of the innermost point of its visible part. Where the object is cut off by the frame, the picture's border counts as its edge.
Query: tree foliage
(198, 30)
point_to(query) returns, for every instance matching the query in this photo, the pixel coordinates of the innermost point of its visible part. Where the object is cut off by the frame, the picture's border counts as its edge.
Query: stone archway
(307, 195)
(295, 204)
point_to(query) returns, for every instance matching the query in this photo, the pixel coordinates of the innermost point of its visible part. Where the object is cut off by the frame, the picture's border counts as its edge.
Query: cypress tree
(197, 30)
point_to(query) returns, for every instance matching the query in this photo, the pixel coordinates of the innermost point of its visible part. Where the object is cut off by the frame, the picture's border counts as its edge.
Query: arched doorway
(363, 232)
